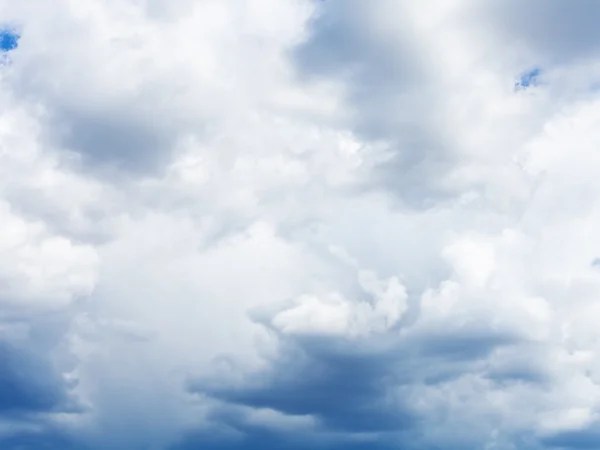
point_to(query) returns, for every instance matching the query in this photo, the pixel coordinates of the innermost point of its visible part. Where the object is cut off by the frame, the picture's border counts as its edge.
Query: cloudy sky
(299, 224)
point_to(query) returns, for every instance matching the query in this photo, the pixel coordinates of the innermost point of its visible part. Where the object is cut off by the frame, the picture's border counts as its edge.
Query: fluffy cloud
(299, 224)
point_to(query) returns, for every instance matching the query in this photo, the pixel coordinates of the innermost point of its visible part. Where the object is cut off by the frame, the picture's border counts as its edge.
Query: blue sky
(529, 78)
(8, 40)
(293, 224)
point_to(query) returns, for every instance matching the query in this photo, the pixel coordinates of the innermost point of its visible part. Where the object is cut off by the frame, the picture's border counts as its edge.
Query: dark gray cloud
(30, 382)
(346, 390)
(586, 438)
(355, 386)
(46, 440)
(231, 430)
(259, 439)
(27, 383)
(463, 345)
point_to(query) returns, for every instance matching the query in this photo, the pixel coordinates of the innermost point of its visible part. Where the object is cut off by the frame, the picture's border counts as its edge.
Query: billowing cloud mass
(299, 224)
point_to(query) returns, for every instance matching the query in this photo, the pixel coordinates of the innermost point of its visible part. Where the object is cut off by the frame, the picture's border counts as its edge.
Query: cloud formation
(299, 224)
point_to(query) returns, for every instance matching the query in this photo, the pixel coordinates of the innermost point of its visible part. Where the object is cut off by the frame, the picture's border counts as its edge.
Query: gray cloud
(553, 32)
(110, 141)
(473, 327)
(585, 438)
(354, 386)
(388, 90)
(345, 390)
(258, 438)
(46, 440)
(27, 383)
(30, 382)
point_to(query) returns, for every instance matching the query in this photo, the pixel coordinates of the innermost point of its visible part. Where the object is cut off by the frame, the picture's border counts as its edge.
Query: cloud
(298, 224)
(574, 439)
(50, 440)
(20, 390)
(380, 69)
(555, 31)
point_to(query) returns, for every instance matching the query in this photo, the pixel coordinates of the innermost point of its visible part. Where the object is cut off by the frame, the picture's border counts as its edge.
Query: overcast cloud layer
(299, 224)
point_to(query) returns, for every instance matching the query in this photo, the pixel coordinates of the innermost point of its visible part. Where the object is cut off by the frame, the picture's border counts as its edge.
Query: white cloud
(343, 209)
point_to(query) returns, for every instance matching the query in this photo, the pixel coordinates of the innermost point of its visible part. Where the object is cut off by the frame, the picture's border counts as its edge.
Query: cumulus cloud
(299, 224)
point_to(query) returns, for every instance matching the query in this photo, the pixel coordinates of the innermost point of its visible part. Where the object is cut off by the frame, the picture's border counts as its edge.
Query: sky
(8, 40)
(299, 224)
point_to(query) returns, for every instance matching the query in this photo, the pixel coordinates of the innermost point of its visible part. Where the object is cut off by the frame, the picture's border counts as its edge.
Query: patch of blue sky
(9, 40)
(528, 78)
